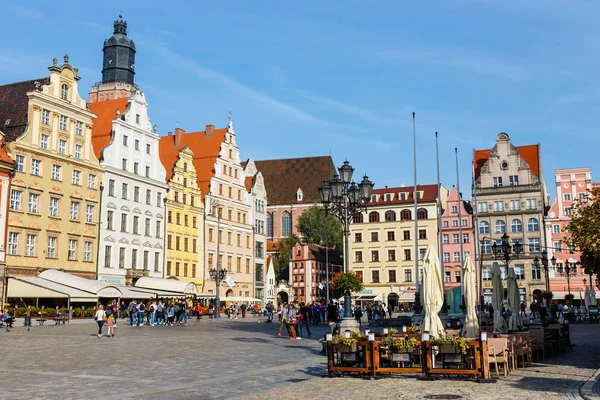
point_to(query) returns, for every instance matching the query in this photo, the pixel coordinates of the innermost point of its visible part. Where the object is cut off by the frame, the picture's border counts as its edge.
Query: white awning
(35, 287)
(168, 285)
(239, 298)
(101, 289)
(127, 292)
(406, 297)
(151, 292)
(558, 295)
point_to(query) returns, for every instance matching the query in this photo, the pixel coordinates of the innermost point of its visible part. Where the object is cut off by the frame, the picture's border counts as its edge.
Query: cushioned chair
(498, 353)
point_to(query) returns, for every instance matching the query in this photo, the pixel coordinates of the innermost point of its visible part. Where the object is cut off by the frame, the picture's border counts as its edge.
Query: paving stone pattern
(239, 359)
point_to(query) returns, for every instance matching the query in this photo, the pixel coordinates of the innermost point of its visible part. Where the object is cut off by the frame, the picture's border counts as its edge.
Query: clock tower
(118, 66)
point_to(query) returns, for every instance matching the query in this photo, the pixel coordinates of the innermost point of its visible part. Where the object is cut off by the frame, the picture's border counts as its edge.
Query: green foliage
(317, 227)
(281, 259)
(50, 312)
(457, 342)
(347, 281)
(391, 331)
(35, 311)
(583, 230)
(401, 344)
(342, 340)
(89, 312)
(76, 312)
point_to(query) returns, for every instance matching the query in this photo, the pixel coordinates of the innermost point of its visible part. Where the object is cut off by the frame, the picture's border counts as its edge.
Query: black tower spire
(119, 55)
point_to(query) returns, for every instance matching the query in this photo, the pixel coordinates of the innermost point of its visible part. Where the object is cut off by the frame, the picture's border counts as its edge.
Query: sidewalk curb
(586, 390)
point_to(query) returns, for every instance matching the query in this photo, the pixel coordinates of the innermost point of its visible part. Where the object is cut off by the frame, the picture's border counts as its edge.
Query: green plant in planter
(50, 312)
(89, 312)
(21, 311)
(341, 340)
(456, 342)
(35, 311)
(401, 344)
(392, 331)
(77, 312)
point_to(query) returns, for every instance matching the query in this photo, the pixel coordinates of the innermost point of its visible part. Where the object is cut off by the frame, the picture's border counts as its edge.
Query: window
(62, 146)
(76, 179)
(79, 128)
(375, 256)
(373, 216)
(482, 207)
(20, 163)
(497, 181)
(454, 209)
(516, 225)
(136, 194)
(46, 117)
(134, 253)
(72, 253)
(358, 237)
(148, 149)
(78, 151)
(286, 224)
(35, 167)
(51, 251)
(374, 236)
(148, 196)
(111, 187)
(147, 172)
(391, 255)
(186, 220)
(422, 234)
(557, 247)
(53, 207)
(533, 225)
(13, 243)
(63, 123)
(536, 272)
(157, 263)
(408, 275)
(136, 168)
(465, 238)
(146, 256)
(125, 140)
(499, 206)
(405, 215)
(147, 227)
(195, 222)
(582, 196)
(531, 204)
(406, 235)
(56, 172)
(390, 215)
(123, 222)
(455, 223)
(421, 213)
(375, 276)
(74, 210)
(446, 239)
(15, 200)
(391, 235)
(464, 222)
(109, 220)
(92, 181)
(568, 211)
(567, 197)
(487, 273)
(555, 228)
(137, 119)
(407, 255)
(515, 205)
(107, 254)
(358, 256)
(534, 244)
(158, 199)
(447, 277)
(457, 276)
(178, 218)
(89, 213)
(87, 251)
(34, 200)
(455, 238)
(456, 256)
(30, 245)
(44, 141)
(137, 144)
(64, 92)
(486, 247)
(500, 227)
(136, 223)
(124, 191)
(358, 218)
(158, 229)
(124, 164)
(513, 180)
(446, 257)
(122, 257)
(186, 244)
(519, 271)
(177, 243)
(484, 227)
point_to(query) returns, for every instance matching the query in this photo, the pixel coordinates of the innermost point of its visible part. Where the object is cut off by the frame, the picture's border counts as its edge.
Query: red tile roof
(102, 126)
(529, 153)
(206, 149)
(284, 177)
(430, 193)
(14, 106)
(248, 183)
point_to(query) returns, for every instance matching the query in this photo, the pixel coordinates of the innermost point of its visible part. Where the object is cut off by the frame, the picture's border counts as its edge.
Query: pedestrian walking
(198, 312)
(141, 310)
(291, 322)
(304, 320)
(160, 313)
(100, 319)
(111, 325)
(152, 310)
(211, 311)
(244, 306)
(282, 317)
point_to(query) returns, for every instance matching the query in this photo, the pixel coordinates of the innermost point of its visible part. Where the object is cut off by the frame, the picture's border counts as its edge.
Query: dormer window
(388, 197)
(64, 92)
(299, 195)
(137, 119)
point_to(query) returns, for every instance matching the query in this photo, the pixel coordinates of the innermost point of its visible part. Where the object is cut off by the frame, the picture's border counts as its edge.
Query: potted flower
(345, 344)
(451, 344)
(401, 348)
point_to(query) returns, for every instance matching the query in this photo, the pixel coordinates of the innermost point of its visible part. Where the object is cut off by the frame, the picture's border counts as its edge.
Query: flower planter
(347, 349)
(401, 357)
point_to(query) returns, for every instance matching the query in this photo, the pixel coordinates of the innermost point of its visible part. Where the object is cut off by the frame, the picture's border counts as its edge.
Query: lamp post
(345, 199)
(218, 274)
(568, 272)
(507, 251)
(545, 264)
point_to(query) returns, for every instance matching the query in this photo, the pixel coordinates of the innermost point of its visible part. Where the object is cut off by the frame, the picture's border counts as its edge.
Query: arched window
(373, 216)
(390, 215)
(516, 225)
(405, 215)
(358, 218)
(421, 213)
(484, 227)
(64, 92)
(270, 225)
(533, 225)
(500, 226)
(286, 224)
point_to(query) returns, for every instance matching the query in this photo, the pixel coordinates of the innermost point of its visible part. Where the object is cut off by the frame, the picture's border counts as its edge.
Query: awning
(557, 295)
(152, 292)
(239, 298)
(168, 285)
(100, 289)
(128, 293)
(367, 297)
(406, 297)
(35, 287)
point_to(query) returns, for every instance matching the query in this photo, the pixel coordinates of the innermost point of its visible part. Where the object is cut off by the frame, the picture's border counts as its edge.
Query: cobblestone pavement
(239, 359)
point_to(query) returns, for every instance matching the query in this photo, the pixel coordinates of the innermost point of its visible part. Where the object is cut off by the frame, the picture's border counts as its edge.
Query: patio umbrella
(471, 326)
(498, 298)
(514, 302)
(433, 294)
(587, 297)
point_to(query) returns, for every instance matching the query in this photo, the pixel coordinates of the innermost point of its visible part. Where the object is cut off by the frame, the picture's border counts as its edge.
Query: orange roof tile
(206, 149)
(102, 126)
(529, 153)
(248, 183)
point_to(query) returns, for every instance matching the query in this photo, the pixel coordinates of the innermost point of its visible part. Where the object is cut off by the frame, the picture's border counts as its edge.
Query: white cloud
(23, 12)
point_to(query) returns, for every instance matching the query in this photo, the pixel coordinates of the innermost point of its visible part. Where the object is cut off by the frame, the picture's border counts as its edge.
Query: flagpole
(477, 247)
(440, 210)
(415, 198)
(460, 230)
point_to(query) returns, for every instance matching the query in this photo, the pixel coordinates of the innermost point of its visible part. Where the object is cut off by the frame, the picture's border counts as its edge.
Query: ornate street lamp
(506, 251)
(344, 198)
(545, 264)
(217, 275)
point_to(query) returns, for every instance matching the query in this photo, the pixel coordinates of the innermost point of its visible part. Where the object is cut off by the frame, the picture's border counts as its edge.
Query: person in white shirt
(100, 318)
(152, 313)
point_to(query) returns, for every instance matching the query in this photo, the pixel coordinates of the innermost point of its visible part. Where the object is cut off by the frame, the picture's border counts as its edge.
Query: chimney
(209, 130)
(178, 135)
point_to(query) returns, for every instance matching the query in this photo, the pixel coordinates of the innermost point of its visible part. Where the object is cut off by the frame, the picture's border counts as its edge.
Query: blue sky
(311, 77)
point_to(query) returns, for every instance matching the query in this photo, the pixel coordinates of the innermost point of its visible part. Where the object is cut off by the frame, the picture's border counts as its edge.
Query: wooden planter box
(346, 349)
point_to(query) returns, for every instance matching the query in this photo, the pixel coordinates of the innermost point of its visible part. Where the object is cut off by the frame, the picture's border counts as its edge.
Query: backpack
(151, 308)
(142, 307)
(133, 309)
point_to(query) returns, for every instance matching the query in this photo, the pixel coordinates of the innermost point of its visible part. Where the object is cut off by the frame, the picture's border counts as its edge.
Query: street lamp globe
(366, 188)
(337, 188)
(325, 192)
(346, 171)
(354, 193)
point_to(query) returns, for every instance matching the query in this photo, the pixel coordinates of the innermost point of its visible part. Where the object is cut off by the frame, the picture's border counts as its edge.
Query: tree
(316, 227)
(281, 259)
(583, 231)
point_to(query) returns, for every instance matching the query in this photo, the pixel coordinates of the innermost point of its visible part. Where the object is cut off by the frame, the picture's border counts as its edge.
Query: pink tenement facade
(451, 237)
(571, 184)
